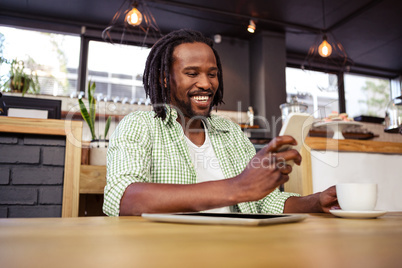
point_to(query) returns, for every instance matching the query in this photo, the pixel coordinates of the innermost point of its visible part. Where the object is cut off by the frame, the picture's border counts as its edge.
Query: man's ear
(164, 81)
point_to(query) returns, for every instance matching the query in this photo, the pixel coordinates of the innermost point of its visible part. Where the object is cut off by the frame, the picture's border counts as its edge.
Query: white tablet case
(220, 219)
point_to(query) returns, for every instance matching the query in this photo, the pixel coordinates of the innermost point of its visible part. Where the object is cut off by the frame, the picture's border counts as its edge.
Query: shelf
(92, 179)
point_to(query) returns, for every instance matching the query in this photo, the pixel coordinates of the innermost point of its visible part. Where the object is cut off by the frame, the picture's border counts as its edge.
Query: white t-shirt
(206, 165)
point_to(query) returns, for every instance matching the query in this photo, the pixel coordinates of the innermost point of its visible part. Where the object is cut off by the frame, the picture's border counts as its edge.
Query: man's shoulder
(223, 123)
(138, 118)
(141, 115)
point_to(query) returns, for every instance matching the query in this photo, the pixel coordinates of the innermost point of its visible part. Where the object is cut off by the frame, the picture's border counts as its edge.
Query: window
(318, 90)
(117, 70)
(366, 95)
(54, 58)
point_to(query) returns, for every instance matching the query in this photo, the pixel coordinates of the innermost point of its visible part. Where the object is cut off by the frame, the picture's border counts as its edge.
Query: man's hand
(266, 170)
(328, 199)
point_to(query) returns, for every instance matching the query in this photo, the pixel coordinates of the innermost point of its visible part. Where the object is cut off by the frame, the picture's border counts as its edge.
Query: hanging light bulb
(325, 48)
(251, 26)
(134, 17)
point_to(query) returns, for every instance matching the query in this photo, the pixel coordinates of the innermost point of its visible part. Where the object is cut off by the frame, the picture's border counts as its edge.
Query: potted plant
(98, 145)
(20, 81)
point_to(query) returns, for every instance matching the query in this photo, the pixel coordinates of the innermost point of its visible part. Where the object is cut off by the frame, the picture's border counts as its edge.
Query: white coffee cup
(357, 196)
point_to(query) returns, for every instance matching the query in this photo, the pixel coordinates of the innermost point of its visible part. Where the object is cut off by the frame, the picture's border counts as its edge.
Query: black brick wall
(31, 175)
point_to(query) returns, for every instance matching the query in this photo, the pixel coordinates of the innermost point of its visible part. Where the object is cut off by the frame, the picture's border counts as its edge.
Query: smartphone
(297, 125)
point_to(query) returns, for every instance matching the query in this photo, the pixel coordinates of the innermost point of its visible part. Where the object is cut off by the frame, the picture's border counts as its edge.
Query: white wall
(330, 168)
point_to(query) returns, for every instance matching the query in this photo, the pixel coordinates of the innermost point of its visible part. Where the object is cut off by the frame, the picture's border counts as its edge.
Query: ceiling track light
(251, 26)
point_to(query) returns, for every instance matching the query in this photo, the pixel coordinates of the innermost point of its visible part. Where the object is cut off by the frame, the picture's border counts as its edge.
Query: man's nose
(204, 82)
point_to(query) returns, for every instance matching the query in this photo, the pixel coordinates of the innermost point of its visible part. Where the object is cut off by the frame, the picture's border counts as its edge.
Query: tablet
(297, 125)
(224, 218)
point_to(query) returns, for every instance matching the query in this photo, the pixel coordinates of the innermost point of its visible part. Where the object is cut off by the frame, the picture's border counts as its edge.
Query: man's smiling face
(193, 79)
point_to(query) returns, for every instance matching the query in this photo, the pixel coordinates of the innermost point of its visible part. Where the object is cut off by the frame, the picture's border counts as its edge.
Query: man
(180, 158)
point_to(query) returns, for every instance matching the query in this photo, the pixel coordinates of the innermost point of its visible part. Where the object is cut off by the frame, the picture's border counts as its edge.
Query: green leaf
(89, 114)
(91, 100)
(108, 121)
(87, 118)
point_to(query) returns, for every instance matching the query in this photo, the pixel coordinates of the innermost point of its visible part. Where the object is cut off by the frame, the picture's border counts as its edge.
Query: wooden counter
(93, 178)
(321, 240)
(72, 130)
(366, 146)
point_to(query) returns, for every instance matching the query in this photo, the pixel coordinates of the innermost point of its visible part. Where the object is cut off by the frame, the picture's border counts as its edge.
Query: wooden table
(321, 240)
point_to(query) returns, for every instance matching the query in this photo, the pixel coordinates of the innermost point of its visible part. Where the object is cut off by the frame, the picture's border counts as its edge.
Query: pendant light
(326, 53)
(325, 49)
(134, 16)
(132, 22)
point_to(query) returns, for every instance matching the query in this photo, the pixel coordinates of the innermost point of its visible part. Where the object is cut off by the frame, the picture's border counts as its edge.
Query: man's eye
(212, 75)
(192, 74)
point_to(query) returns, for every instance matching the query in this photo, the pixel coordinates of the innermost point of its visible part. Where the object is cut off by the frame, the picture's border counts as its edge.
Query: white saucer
(357, 214)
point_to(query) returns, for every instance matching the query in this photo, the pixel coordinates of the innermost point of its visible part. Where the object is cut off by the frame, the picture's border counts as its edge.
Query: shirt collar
(171, 115)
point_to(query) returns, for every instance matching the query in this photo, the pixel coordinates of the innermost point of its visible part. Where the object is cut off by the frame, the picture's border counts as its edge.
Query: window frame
(395, 83)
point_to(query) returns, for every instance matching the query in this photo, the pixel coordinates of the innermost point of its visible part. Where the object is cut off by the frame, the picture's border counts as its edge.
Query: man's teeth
(201, 98)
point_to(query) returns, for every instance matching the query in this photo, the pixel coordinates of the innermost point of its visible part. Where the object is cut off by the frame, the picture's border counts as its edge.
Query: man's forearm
(305, 204)
(164, 198)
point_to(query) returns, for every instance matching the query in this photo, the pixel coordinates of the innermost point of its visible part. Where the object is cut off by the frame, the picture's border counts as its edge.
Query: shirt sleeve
(274, 202)
(128, 160)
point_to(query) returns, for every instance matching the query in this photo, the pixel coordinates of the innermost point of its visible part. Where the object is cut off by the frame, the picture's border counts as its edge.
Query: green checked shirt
(145, 148)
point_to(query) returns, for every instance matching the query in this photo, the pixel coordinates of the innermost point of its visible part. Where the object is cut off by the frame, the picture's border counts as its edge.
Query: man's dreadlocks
(156, 77)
